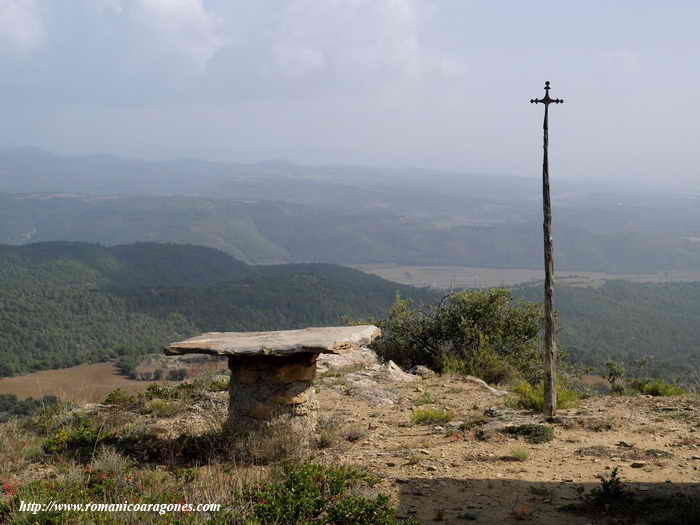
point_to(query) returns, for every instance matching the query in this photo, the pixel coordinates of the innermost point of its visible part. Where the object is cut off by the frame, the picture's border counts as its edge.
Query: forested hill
(63, 304)
(129, 265)
(626, 321)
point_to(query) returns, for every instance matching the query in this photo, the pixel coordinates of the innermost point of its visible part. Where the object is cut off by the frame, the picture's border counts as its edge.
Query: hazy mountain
(276, 211)
(274, 232)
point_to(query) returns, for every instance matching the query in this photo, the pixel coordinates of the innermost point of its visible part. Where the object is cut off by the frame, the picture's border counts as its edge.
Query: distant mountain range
(275, 212)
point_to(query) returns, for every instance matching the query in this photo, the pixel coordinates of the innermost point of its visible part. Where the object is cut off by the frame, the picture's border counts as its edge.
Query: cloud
(356, 37)
(21, 26)
(183, 30)
(183, 25)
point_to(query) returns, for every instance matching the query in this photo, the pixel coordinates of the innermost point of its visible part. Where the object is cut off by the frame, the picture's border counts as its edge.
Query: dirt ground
(438, 473)
(83, 383)
(80, 384)
(465, 469)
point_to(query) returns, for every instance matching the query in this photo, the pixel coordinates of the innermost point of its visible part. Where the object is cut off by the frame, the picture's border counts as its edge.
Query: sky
(393, 83)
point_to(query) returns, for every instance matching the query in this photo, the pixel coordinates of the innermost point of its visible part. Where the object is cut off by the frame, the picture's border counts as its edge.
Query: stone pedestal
(273, 391)
(272, 373)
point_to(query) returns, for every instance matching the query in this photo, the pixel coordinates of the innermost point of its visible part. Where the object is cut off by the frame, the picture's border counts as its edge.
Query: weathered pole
(550, 357)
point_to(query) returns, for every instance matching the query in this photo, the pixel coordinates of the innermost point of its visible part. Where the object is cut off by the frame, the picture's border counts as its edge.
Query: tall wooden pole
(550, 357)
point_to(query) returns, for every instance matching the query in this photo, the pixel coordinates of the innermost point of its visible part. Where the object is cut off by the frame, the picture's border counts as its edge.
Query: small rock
(491, 412)
(637, 465)
(423, 451)
(422, 371)
(392, 373)
(694, 457)
(430, 468)
(483, 385)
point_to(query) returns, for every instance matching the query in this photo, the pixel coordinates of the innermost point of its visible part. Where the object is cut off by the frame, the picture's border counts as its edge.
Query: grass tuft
(430, 416)
(528, 397)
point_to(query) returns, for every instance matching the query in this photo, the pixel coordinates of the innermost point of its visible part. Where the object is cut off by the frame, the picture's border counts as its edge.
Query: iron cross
(550, 357)
(546, 100)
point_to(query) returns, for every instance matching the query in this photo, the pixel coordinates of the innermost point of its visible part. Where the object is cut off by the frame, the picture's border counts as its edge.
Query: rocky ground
(461, 467)
(465, 470)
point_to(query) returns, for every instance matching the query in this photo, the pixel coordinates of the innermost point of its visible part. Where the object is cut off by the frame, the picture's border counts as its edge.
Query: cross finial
(546, 100)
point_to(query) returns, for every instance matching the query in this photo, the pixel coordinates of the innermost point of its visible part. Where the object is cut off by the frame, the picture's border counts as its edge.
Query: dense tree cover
(63, 304)
(123, 266)
(10, 406)
(625, 322)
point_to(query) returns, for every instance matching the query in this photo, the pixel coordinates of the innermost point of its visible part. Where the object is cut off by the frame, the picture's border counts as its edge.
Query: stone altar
(272, 373)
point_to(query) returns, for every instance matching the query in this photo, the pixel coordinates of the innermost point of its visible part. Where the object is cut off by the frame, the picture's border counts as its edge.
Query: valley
(457, 277)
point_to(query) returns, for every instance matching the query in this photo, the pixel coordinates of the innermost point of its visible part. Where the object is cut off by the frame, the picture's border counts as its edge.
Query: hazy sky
(378, 82)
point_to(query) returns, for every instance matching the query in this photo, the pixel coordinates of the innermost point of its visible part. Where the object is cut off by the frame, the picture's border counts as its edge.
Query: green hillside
(62, 304)
(626, 321)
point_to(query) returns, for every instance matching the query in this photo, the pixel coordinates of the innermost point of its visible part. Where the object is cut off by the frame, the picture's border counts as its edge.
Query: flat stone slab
(322, 340)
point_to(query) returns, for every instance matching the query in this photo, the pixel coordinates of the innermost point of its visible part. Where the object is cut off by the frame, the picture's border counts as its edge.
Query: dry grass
(80, 384)
(18, 448)
(110, 461)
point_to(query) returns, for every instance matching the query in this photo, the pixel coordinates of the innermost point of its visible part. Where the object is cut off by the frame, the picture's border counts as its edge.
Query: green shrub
(474, 422)
(162, 407)
(611, 489)
(311, 493)
(119, 398)
(430, 416)
(48, 418)
(360, 510)
(530, 397)
(477, 332)
(614, 373)
(11, 407)
(181, 391)
(80, 438)
(484, 363)
(532, 432)
(656, 387)
(668, 507)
